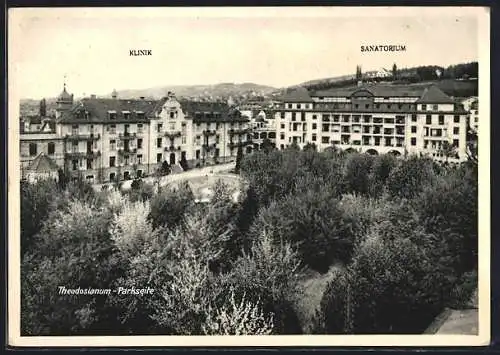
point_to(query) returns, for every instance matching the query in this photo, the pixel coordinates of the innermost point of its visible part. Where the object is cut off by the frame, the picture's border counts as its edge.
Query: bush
(313, 223)
(169, 207)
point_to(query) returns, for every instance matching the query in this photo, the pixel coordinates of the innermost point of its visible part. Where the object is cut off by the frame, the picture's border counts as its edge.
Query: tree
(239, 157)
(43, 108)
(448, 150)
(359, 74)
(310, 146)
(183, 163)
(165, 168)
(394, 71)
(267, 145)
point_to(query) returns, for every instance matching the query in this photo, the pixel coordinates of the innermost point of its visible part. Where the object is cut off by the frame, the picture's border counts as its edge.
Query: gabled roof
(205, 111)
(98, 109)
(382, 90)
(433, 95)
(43, 164)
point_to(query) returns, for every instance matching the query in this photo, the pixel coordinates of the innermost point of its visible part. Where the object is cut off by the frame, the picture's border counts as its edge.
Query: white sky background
(274, 46)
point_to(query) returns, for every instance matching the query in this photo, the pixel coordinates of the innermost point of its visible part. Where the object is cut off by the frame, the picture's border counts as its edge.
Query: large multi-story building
(471, 105)
(105, 139)
(376, 119)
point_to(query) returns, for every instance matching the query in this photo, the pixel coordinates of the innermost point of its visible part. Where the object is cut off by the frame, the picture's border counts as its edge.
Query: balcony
(127, 151)
(233, 145)
(172, 149)
(172, 134)
(127, 135)
(209, 147)
(82, 137)
(238, 131)
(89, 154)
(209, 133)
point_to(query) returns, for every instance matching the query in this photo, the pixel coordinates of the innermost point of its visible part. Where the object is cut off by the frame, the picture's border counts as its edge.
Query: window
(140, 115)
(112, 129)
(172, 126)
(303, 116)
(139, 143)
(51, 148)
(456, 130)
(414, 141)
(33, 149)
(428, 119)
(197, 154)
(456, 118)
(112, 161)
(441, 119)
(282, 114)
(367, 105)
(172, 114)
(377, 106)
(298, 105)
(435, 107)
(293, 116)
(112, 176)
(112, 144)
(158, 142)
(400, 106)
(413, 129)
(139, 158)
(183, 139)
(314, 126)
(159, 127)
(158, 158)
(424, 107)
(326, 127)
(356, 106)
(282, 126)
(455, 143)
(325, 140)
(282, 136)
(289, 105)
(314, 137)
(139, 128)
(414, 118)
(112, 115)
(126, 115)
(389, 106)
(89, 164)
(315, 117)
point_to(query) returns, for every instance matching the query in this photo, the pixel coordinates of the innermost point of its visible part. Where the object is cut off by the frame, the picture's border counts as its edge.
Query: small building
(41, 168)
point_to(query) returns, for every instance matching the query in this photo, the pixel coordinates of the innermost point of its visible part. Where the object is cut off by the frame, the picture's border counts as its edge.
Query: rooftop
(43, 164)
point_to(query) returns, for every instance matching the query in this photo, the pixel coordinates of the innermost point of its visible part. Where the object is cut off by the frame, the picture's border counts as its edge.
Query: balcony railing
(238, 131)
(208, 147)
(127, 135)
(89, 154)
(83, 137)
(172, 134)
(233, 145)
(209, 132)
(126, 151)
(172, 149)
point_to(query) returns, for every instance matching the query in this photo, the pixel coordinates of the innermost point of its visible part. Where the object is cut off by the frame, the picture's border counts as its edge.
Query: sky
(274, 46)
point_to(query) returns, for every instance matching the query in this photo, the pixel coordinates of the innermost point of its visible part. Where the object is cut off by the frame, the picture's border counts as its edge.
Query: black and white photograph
(219, 176)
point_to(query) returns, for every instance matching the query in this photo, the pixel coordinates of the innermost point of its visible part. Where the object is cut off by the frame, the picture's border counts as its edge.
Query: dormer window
(112, 115)
(140, 114)
(126, 114)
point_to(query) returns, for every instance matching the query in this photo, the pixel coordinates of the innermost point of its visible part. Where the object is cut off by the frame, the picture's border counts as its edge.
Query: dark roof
(377, 90)
(98, 108)
(43, 164)
(204, 111)
(64, 96)
(297, 95)
(433, 95)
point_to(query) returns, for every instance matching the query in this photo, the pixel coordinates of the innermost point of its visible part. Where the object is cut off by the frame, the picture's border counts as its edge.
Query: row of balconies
(89, 154)
(82, 137)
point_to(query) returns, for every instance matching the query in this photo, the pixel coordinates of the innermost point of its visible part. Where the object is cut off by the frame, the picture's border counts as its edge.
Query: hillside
(217, 90)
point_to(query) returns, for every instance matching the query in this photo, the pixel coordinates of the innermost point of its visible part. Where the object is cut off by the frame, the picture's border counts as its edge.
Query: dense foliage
(393, 240)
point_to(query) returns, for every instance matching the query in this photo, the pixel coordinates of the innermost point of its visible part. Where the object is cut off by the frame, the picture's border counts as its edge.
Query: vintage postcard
(314, 176)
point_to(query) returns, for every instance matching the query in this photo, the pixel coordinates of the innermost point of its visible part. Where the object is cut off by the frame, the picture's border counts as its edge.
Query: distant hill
(217, 90)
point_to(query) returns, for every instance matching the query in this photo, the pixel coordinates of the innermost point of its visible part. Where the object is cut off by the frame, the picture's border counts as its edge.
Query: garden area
(313, 243)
